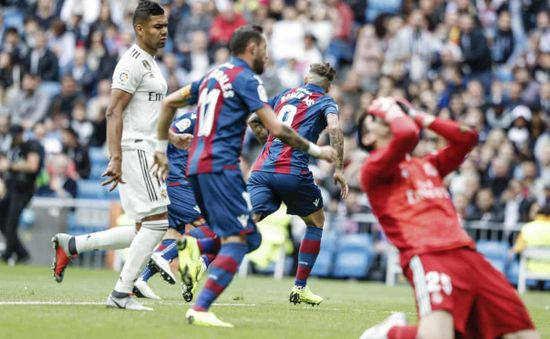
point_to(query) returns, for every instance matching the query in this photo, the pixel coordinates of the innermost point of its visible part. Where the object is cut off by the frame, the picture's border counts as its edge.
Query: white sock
(139, 253)
(112, 239)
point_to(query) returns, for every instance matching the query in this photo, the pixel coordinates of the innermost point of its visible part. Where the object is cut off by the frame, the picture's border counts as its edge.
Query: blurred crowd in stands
(485, 63)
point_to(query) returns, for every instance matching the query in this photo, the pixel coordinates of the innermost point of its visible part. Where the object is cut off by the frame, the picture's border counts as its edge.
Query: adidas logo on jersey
(197, 208)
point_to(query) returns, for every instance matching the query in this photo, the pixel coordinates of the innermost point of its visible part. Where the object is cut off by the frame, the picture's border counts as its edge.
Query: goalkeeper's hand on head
(385, 108)
(422, 119)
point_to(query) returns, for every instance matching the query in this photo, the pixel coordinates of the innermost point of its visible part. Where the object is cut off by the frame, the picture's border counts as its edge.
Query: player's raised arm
(260, 132)
(394, 146)
(119, 101)
(337, 142)
(291, 138)
(461, 139)
(170, 104)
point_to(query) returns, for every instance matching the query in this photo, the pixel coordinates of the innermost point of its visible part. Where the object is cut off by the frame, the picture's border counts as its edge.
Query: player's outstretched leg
(66, 246)
(396, 323)
(309, 249)
(151, 232)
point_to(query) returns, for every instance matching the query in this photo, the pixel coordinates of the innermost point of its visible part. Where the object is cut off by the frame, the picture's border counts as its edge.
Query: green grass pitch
(258, 307)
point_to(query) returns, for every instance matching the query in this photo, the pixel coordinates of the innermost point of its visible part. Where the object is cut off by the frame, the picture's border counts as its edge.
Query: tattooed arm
(258, 128)
(337, 142)
(336, 139)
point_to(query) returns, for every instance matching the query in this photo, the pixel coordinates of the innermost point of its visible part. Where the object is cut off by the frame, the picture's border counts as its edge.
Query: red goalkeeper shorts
(461, 281)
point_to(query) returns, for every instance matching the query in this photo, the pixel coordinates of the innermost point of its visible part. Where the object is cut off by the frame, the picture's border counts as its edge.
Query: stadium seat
(90, 189)
(98, 157)
(323, 264)
(535, 253)
(493, 249)
(96, 171)
(354, 256)
(377, 7)
(496, 252)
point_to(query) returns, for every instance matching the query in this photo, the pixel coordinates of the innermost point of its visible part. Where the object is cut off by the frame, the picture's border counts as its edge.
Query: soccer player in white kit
(136, 97)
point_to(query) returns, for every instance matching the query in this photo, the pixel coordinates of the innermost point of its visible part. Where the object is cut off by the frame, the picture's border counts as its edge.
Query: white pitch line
(91, 303)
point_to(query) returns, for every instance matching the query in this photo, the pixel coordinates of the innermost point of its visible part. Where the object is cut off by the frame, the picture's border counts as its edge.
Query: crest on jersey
(124, 76)
(147, 65)
(262, 94)
(163, 193)
(183, 124)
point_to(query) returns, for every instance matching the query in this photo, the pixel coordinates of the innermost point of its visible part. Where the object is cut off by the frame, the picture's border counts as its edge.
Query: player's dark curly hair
(242, 36)
(361, 132)
(145, 9)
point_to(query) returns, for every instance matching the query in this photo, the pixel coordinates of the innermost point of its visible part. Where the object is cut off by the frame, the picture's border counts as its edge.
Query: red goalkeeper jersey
(407, 194)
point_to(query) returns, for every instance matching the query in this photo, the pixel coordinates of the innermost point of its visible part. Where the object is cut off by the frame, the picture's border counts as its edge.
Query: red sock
(402, 332)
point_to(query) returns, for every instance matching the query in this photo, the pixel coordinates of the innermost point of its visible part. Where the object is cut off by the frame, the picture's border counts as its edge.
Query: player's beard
(258, 65)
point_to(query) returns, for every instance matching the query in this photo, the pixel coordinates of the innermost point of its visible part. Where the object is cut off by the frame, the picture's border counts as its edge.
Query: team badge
(124, 76)
(163, 193)
(183, 124)
(262, 94)
(147, 65)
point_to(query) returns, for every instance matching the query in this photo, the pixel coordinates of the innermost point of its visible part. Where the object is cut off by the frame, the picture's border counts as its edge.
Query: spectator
(23, 163)
(60, 183)
(8, 70)
(475, 51)
(518, 204)
(519, 133)
(505, 47)
(535, 234)
(99, 102)
(41, 60)
(13, 45)
(196, 61)
(28, 105)
(78, 69)
(224, 24)
(5, 137)
(198, 21)
(63, 103)
(486, 208)
(80, 123)
(62, 43)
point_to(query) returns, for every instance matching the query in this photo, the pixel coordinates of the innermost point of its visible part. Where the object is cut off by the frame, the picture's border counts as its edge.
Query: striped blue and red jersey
(225, 97)
(305, 109)
(177, 158)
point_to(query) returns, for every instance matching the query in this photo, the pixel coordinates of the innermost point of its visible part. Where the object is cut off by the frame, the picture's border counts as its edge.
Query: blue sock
(170, 252)
(309, 249)
(222, 270)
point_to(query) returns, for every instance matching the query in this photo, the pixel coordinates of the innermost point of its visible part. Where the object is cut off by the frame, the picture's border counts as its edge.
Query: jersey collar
(315, 88)
(147, 55)
(239, 62)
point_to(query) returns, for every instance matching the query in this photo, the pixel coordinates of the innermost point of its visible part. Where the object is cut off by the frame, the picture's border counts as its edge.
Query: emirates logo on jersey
(425, 190)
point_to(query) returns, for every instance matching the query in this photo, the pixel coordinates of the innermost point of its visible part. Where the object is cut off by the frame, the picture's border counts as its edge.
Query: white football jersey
(138, 74)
